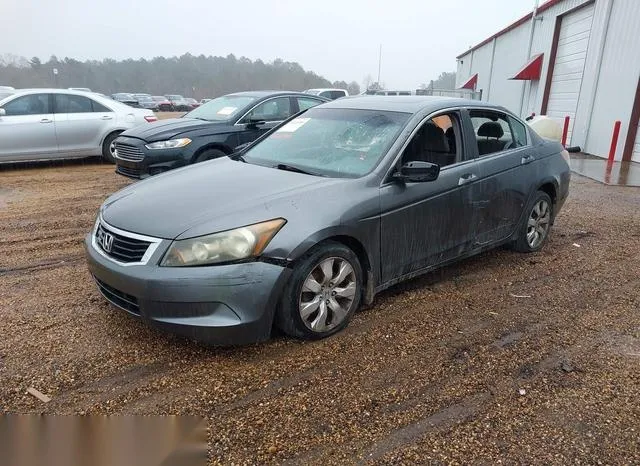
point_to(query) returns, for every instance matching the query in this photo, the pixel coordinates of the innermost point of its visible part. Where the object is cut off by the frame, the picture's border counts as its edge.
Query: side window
(305, 103)
(337, 94)
(272, 110)
(519, 132)
(493, 133)
(326, 94)
(33, 104)
(67, 103)
(437, 141)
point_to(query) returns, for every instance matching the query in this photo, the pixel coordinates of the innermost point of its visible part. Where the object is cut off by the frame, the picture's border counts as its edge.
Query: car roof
(261, 94)
(406, 104)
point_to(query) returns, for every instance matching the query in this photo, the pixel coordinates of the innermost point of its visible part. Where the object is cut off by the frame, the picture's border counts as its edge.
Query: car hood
(167, 129)
(209, 197)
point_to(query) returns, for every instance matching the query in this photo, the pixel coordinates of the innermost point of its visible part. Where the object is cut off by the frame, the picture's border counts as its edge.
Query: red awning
(531, 71)
(471, 83)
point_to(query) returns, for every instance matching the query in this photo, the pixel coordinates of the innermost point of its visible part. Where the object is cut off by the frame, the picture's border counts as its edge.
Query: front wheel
(109, 148)
(534, 231)
(323, 293)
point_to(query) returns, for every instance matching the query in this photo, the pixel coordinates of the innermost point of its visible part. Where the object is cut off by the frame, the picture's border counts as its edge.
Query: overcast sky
(336, 39)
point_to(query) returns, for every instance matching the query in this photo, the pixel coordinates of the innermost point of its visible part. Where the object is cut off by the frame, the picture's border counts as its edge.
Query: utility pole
(379, 65)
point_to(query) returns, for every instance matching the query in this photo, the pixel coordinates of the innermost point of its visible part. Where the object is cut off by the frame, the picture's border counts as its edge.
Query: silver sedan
(46, 124)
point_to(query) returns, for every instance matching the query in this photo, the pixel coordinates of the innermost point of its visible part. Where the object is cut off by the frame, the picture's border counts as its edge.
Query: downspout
(493, 55)
(529, 47)
(594, 92)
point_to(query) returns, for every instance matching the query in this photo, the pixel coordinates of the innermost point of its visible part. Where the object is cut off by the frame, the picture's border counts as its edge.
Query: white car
(332, 94)
(45, 124)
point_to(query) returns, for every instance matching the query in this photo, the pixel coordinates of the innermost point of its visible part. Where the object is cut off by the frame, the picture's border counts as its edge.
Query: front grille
(127, 152)
(126, 171)
(119, 247)
(118, 298)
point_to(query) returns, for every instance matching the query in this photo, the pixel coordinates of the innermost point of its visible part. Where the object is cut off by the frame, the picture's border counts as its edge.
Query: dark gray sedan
(323, 212)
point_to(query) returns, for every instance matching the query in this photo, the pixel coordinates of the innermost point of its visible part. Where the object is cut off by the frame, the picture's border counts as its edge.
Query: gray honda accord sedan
(310, 221)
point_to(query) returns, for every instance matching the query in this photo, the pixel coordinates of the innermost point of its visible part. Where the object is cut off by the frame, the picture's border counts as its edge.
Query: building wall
(610, 76)
(618, 79)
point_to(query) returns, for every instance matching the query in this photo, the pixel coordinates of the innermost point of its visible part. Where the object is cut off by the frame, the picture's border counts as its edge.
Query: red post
(565, 131)
(614, 141)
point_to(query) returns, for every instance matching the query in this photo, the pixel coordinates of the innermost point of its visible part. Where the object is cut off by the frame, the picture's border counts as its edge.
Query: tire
(107, 149)
(314, 305)
(536, 225)
(209, 154)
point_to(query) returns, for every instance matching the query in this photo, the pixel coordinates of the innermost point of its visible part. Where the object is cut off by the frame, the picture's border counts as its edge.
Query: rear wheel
(109, 148)
(209, 154)
(323, 293)
(534, 231)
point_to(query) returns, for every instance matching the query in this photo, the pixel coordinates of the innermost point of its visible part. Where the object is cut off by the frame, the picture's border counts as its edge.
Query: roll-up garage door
(568, 69)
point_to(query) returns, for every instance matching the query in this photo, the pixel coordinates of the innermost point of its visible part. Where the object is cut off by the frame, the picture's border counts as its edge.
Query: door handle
(46, 120)
(466, 178)
(527, 159)
(106, 117)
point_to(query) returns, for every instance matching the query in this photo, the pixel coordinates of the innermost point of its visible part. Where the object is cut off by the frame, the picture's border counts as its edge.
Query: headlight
(226, 246)
(170, 144)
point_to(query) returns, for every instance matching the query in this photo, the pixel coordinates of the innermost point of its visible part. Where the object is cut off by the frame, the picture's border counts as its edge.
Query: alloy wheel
(538, 224)
(327, 294)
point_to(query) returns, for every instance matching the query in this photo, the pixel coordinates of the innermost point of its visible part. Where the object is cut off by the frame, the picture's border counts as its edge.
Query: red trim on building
(532, 70)
(471, 83)
(521, 21)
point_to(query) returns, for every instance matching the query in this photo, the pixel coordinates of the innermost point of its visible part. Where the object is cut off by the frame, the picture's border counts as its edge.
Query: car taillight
(151, 118)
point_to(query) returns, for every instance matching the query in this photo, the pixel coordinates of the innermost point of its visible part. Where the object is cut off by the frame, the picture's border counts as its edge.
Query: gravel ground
(504, 357)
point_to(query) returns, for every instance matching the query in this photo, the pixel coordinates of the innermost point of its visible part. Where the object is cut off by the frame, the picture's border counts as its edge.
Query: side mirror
(254, 122)
(3, 112)
(418, 172)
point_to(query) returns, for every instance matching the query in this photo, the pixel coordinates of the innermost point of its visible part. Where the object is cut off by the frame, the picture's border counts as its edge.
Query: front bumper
(153, 162)
(218, 305)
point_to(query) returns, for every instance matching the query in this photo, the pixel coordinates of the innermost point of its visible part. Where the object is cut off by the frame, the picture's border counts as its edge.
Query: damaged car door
(426, 223)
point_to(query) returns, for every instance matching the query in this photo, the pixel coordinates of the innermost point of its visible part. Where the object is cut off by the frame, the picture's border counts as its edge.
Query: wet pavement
(616, 173)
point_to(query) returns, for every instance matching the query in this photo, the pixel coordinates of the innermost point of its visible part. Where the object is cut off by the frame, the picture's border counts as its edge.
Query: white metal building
(576, 58)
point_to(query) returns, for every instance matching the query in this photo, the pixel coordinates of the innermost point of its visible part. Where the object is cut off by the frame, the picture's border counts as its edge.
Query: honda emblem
(106, 241)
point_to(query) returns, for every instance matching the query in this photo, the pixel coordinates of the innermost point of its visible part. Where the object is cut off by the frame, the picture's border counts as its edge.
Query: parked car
(335, 205)
(125, 98)
(204, 101)
(42, 124)
(164, 104)
(192, 103)
(393, 93)
(213, 130)
(178, 102)
(145, 101)
(331, 94)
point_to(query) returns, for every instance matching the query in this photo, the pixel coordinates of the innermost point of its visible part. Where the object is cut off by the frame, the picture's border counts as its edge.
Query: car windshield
(222, 108)
(344, 143)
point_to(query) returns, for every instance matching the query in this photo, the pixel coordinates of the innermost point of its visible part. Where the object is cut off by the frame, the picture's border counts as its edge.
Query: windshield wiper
(291, 168)
(237, 156)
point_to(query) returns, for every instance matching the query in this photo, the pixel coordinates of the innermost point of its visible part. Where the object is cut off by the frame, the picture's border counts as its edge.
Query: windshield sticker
(293, 125)
(227, 110)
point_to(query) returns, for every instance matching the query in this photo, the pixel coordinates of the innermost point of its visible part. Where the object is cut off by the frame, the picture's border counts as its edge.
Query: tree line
(191, 76)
